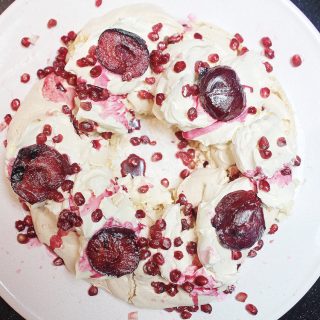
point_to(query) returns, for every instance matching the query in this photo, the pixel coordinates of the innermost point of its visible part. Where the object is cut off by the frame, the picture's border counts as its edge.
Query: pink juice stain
(133, 316)
(114, 108)
(198, 132)
(280, 180)
(52, 93)
(94, 202)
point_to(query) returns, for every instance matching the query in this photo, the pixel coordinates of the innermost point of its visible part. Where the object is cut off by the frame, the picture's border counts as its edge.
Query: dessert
(151, 156)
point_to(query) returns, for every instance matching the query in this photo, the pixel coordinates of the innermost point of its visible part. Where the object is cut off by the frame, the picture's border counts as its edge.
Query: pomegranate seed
(15, 104)
(142, 242)
(25, 41)
(31, 233)
(150, 80)
(273, 229)
(201, 281)
(20, 225)
(252, 110)
(178, 255)
(264, 185)
(263, 143)
(266, 42)
(153, 36)
(155, 233)
(251, 309)
(179, 66)
(145, 95)
(75, 168)
(156, 157)
(238, 37)
(106, 135)
(177, 242)
(268, 66)
(297, 161)
(143, 189)
(96, 215)
(144, 254)
(98, 3)
(187, 286)
(41, 138)
(41, 74)
(28, 221)
(25, 78)
(52, 23)
(56, 196)
(184, 173)
(192, 114)
(151, 268)
(86, 106)
(58, 138)
(169, 309)
(265, 154)
(22, 238)
(165, 243)
(213, 58)
(65, 109)
(157, 27)
(7, 119)
(269, 53)
(79, 199)
(200, 67)
(259, 245)
(72, 35)
(236, 255)
(96, 71)
(265, 92)
(135, 141)
(86, 126)
(162, 46)
(154, 244)
(83, 62)
(175, 275)
(185, 315)
(65, 39)
(67, 185)
(140, 214)
(58, 262)
(281, 142)
(241, 297)
(165, 182)
(234, 44)
(159, 287)
(296, 60)
(47, 129)
(198, 36)
(243, 51)
(160, 225)
(160, 97)
(93, 291)
(286, 172)
(192, 247)
(158, 259)
(193, 308)
(206, 308)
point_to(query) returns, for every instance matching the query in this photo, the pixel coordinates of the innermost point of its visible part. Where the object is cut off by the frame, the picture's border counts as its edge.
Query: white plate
(282, 273)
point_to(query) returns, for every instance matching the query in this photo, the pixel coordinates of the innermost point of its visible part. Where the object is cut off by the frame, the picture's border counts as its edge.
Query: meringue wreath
(154, 156)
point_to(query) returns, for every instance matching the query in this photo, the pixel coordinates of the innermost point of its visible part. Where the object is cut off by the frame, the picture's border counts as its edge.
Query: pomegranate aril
(67, 185)
(159, 287)
(187, 286)
(143, 189)
(20, 225)
(213, 58)
(241, 297)
(269, 53)
(179, 66)
(281, 142)
(145, 95)
(86, 126)
(151, 268)
(238, 37)
(75, 168)
(96, 215)
(193, 308)
(160, 224)
(177, 242)
(192, 247)
(158, 259)
(172, 289)
(47, 129)
(98, 3)
(273, 229)
(106, 135)
(268, 66)
(15, 104)
(22, 238)
(266, 42)
(160, 97)
(28, 221)
(165, 243)
(185, 315)
(58, 262)
(265, 154)
(236, 255)
(140, 214)
(25, 41)
(201, 281)
(234, 44)
(264, 185)
(142, 242)
(198, 36)
(165, 182)
(41, 138)
(252, 110)
(206, 308)
(154, 244)
(251, 309)
(263, 143)
(162, 45)
(297, 161)
(31, 233)
(25, 78)
(7, 119)
(265, 92)
(156, 157)
(96, 71)
(296, 60)
(175, 275)
(93, 291)
(178, 255)
(52, 23)
(153, 36)
(184, 173)
(79, 199)
(41, 74)
(252, 254)
(192, 114)
(150, 80)
(259, 245)
(144, 254)
(286, 171)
